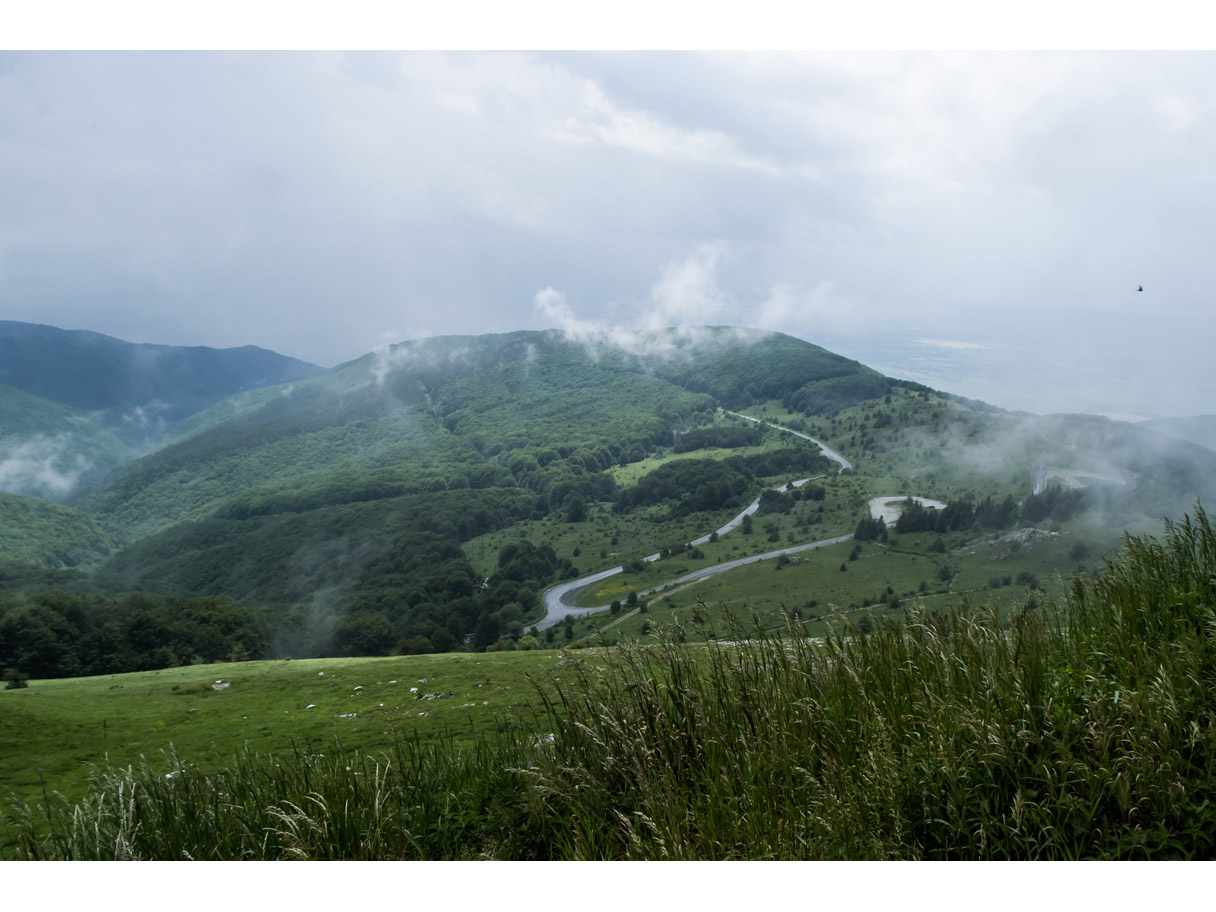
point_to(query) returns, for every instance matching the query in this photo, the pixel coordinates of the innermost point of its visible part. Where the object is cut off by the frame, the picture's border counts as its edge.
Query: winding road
(827, 450)
(559, 600)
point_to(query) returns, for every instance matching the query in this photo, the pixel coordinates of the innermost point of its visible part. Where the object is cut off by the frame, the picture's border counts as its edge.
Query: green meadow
(53, 731)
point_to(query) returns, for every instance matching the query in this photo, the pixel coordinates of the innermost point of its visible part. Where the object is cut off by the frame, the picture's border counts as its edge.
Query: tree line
(57, 634)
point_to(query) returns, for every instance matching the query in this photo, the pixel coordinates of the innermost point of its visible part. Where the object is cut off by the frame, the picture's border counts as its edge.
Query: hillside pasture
(53, 731)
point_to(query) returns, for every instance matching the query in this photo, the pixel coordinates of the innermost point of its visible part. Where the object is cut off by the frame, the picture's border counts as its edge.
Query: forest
(349, 512)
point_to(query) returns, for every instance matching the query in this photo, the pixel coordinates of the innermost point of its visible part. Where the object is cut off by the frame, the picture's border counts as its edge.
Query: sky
(977, 221)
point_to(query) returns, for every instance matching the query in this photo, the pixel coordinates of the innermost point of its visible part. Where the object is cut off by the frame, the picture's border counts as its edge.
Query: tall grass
(1075, 730)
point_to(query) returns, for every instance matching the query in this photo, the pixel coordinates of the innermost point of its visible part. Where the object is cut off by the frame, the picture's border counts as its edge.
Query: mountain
(1198, 429)
(49, 536)
(76, 403)
(420, 498)
(446, 413)
(354, 490)
(141, 388)
(46, 448)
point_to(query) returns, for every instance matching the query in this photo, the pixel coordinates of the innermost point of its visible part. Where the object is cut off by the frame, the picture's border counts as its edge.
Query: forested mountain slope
(351, 491)
(420, 498)
(133, 392)
(88, 370)
(46, 448)
(47, 535)
(76, 404)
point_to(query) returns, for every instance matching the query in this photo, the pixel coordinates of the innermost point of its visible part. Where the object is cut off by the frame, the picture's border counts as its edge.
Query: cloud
(811, 313)
(552, 305)
(685, 300)
(302, 202)
(42, 466)
(688, 291)
(686, 294)
(946, 343)
(598, 118)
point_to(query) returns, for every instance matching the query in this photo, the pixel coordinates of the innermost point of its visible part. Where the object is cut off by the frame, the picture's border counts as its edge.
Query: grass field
(1079, 728)
(53, 730)
(995, 568)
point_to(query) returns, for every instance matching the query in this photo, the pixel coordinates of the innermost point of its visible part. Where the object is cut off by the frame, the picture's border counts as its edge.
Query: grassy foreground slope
(1083, 728)
(52, 731)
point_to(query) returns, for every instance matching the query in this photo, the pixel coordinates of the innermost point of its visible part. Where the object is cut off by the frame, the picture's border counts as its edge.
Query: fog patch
(688, 292)
(42, 466)
(313, 630)
(387, 359)
(145, 422)
(418, 354)
(1002, 441)
(530, 356)
(327, 572)
(952, 343)
(1132, 475)
(651, 340)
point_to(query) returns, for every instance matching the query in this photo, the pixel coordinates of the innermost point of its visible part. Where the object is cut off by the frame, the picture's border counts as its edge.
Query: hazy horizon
(978, 222)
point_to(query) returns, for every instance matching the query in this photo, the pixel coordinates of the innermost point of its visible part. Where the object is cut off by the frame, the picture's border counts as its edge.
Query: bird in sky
(1140, 288)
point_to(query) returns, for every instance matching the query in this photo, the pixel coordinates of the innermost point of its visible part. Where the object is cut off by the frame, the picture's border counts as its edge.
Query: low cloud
(686, 291)
(552, 305)
(386, 359)
(42, 466)
(686, 298)
(948, 343)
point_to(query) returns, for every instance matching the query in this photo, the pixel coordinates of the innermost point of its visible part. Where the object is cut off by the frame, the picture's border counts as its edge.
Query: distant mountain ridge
(75, 404)
(88, 370)
(1200, 429)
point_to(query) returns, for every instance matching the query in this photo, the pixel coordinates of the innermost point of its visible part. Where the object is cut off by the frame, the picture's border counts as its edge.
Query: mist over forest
(381, 506)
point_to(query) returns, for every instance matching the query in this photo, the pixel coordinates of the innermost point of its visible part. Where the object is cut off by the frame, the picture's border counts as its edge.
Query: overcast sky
(979, 222)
